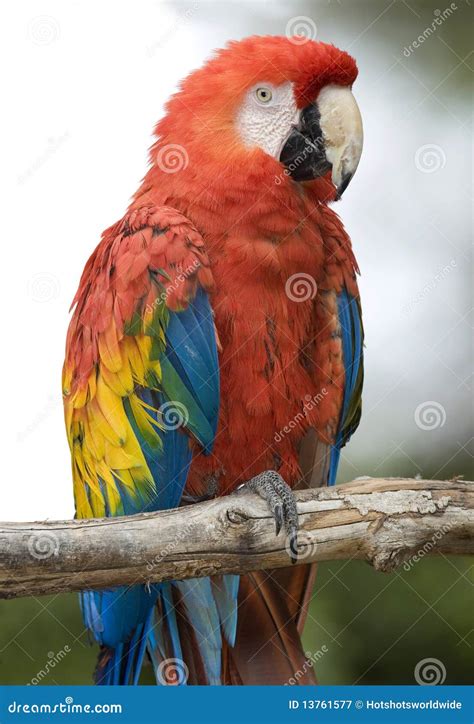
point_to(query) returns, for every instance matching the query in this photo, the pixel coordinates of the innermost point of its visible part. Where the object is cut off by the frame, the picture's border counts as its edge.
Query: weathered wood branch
(385, 522)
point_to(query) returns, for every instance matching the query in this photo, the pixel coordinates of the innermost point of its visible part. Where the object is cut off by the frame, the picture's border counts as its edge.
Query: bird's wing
(141, 392)
(318, 459)
(352, 340)
(141, 371)
(341, 319)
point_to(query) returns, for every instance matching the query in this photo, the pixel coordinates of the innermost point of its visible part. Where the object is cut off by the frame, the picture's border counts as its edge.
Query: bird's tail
(187, 628)
(272, 611)
(193, 635)
(255, 638)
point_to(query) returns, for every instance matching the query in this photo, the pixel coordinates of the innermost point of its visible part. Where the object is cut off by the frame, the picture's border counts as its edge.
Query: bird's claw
(281, 501)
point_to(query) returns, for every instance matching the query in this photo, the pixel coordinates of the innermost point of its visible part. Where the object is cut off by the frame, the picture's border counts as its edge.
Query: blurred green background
(406, 223)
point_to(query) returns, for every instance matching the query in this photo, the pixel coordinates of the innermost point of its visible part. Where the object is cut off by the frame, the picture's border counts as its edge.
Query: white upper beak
(341, 126)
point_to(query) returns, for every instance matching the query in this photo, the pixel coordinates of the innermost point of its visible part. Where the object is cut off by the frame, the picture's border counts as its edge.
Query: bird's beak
(328, 137)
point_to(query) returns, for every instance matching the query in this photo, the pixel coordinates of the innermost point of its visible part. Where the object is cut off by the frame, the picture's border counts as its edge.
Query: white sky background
(85, 83)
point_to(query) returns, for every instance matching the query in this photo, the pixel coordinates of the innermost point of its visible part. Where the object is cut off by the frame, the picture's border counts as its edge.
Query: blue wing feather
(352, 351)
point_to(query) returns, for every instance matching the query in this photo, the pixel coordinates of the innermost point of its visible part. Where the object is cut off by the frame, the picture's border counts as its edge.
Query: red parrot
(216, 342)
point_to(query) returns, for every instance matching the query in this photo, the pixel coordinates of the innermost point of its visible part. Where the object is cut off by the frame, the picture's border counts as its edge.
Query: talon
(281, 501)
(293, 545)
(278, 513)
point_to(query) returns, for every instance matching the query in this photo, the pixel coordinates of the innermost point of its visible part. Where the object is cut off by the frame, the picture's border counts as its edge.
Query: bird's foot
(281, 501)
(211, 487)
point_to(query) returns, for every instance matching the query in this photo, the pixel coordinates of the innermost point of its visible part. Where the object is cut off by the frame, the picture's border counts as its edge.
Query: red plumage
(260, 228)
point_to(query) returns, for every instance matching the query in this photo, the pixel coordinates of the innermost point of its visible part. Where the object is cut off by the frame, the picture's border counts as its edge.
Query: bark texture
(385, 522)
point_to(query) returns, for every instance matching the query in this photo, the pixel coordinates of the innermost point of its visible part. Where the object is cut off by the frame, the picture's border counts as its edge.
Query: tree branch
(385, 522)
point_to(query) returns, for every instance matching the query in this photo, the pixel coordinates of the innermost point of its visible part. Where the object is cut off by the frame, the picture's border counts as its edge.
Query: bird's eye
(263, 95)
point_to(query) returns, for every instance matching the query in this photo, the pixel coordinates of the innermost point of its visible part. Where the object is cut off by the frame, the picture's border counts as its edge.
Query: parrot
(216, 346)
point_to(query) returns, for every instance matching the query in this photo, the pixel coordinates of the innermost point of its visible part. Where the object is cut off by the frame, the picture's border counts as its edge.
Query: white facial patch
(266, 116)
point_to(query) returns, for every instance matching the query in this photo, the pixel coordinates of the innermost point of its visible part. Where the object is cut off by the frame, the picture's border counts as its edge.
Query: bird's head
(269, 107)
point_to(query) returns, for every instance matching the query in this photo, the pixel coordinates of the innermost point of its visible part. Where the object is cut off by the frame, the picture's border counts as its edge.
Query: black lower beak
(303, 153)
(346, 179)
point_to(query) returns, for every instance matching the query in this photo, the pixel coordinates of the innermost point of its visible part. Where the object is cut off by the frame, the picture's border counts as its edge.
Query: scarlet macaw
(205, 321)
